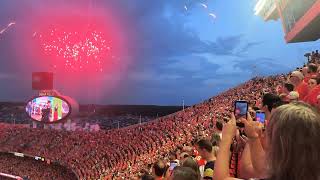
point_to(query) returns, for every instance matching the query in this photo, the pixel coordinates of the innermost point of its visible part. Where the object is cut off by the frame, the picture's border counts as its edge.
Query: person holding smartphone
(288, 158)
(241, 112)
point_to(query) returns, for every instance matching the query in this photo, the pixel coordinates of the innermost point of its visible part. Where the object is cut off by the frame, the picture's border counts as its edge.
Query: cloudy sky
(170, 49)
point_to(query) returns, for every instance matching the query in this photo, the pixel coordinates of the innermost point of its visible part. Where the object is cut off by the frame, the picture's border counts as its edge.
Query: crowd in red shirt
(123, 153)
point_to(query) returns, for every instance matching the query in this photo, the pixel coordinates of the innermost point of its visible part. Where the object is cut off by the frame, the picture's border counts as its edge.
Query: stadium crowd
(30, 168)
(202, 141)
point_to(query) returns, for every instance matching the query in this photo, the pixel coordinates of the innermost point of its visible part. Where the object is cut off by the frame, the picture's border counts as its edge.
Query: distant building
(300, 18)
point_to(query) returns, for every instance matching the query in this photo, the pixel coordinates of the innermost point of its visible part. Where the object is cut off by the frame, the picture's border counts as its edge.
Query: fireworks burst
(77, 50)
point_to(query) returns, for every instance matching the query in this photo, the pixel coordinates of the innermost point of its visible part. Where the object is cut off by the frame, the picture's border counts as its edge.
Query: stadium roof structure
(300, 19)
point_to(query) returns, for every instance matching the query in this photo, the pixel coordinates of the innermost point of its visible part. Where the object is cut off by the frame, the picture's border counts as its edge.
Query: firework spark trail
(6, 28)
(212, 15)
(10, 24)
(204, 5)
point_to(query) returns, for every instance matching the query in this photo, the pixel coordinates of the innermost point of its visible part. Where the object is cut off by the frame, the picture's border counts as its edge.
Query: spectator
(313, 82)
(268, 100)
(184, 173)
(287, 88)
(173, 157)
(312, 71)
(147, 177)
(318, 72)
(318, 102)
(215, 139)
(190, 162)
(284, 97)
(158, 170)
(204, 148)
(314, 91)
(296, 78)
(293, 148)
(184, 156)
(219, 126)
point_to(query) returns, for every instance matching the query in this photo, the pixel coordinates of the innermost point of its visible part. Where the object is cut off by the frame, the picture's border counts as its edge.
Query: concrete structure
(300, 18)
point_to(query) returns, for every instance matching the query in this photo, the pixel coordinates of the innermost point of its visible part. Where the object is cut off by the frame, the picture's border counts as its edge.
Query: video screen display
(48, 109)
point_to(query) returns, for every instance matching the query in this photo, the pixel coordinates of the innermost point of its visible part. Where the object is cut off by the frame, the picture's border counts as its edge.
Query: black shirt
(208, 170)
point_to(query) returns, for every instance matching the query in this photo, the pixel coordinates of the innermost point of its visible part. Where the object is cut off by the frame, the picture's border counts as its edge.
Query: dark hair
(147, 177)
(289, 87)
(269, 99)
(219, 125)
(191, 163)
(173, 153)
(312, 68)
(215, 139)
(278, 104)
(205, 144)
(256, 108)
(159, 168)
(184, 173)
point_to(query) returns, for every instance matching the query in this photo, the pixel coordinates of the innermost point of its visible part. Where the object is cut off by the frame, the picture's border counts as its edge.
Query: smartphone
(173, 165)
(260, 117)
(240, 111)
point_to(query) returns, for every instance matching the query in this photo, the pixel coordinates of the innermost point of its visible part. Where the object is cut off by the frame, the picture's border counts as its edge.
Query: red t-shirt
(309, 76)
(311, 98)
(302, 89)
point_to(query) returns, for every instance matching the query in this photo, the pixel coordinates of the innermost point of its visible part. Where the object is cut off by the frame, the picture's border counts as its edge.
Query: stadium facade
(300, 18)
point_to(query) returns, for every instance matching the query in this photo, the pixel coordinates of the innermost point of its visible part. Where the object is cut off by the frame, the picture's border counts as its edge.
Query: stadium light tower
(183, 104)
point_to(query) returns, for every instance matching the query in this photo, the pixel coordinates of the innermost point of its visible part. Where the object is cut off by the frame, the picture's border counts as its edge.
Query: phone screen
(261, 117)
(173, 165)
(240, 111)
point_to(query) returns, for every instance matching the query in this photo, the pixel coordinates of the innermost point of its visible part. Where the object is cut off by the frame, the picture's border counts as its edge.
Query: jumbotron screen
(48, 109)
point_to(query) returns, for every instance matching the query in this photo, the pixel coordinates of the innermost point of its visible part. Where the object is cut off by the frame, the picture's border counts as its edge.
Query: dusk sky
(166, 52)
